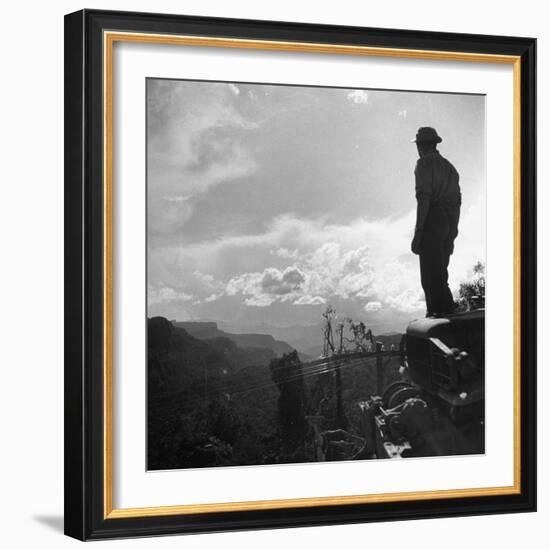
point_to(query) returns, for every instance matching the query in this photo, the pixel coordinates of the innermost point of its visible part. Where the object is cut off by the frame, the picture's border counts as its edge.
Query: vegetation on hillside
(211, 403)
(471, 294)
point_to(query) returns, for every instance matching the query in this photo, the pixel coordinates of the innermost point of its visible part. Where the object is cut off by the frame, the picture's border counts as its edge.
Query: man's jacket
(437, 181)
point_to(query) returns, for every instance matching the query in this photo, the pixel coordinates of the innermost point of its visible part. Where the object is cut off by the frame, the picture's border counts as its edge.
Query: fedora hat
(425, 135)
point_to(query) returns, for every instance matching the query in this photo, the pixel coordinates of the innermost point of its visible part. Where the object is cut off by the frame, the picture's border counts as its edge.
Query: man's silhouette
(438, 211)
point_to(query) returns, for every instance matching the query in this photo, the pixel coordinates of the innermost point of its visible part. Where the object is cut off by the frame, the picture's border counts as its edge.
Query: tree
(362, 338)
(472, 293)
(287, 374)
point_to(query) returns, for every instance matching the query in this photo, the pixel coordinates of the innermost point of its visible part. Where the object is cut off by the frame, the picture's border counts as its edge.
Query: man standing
(438, 211)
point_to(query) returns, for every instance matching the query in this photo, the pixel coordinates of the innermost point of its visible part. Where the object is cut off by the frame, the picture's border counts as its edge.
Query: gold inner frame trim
(109, 39)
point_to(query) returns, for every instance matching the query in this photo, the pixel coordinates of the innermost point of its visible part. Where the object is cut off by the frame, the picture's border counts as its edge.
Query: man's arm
(422, 209)
(423, 187)
(454, 217)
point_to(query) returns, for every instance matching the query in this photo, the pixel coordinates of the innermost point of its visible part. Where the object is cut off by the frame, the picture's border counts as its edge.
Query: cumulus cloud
(359, 97)
(277, 282)
(334, 271)
(316, 262)
(285, 253)
(270, 285)
(410, 300)
(188, 288)
(373, 306)
(387, 238)
(365, 264)
(307, 300)
(165, 295)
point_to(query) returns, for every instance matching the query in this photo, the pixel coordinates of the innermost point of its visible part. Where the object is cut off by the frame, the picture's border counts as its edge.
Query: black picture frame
(85, 517)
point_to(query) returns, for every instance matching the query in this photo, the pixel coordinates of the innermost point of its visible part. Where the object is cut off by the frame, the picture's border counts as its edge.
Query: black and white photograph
(270, 275)
(316, 262)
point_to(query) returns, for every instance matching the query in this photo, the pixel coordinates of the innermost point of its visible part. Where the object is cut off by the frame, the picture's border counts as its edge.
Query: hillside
(307, 339)
(178, 359)
(193, 418)
(213, 403)
(209, 329)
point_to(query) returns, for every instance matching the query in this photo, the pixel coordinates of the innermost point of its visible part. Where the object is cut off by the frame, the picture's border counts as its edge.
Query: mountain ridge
(207, 330)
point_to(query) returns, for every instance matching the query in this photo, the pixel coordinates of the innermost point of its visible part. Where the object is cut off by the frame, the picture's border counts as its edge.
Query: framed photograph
(300, 274)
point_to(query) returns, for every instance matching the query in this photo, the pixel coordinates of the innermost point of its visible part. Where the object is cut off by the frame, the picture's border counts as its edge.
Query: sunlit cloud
(324, 262)
(165, 295)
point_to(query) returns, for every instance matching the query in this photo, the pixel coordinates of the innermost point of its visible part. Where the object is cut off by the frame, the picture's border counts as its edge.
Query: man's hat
(425, 135)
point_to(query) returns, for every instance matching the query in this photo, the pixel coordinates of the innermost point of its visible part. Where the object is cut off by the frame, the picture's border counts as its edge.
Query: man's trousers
(434, 261)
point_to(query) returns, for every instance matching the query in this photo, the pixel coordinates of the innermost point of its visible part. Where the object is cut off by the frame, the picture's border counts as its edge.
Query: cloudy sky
(265, 203)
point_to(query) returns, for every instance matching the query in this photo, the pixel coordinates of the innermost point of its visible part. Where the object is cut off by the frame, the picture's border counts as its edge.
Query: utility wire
(319, 369)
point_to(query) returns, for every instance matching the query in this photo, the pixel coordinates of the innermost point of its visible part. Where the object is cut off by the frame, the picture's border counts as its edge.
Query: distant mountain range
(178, 359)
(207, 330)
(390, 339)
(307, 340)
